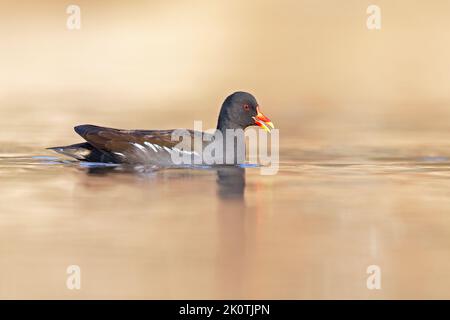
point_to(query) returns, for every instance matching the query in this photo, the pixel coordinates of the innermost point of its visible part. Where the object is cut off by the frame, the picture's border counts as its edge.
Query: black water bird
(107, 145)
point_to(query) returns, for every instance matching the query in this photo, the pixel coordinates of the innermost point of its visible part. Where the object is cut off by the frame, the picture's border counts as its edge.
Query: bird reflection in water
(233, 224)
(231, 183)
(230, 179)
(232, 232)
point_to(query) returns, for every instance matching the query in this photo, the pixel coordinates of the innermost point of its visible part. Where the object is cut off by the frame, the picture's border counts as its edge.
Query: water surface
(309, 231)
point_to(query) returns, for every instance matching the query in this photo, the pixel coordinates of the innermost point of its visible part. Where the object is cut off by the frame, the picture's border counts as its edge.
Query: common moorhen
(108, 145)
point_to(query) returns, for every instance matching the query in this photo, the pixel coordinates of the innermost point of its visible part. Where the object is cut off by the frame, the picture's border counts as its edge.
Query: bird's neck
(225, 123)
(235, 145)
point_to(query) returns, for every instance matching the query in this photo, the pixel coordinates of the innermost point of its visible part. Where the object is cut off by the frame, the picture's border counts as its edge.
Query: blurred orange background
(307, 62)
(364, 149)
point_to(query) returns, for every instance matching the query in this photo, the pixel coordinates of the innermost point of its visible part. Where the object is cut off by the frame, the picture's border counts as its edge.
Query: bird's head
(241, 110)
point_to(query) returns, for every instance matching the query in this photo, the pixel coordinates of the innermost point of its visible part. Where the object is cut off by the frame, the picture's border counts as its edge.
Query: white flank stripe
(140, 146)
(151, 146)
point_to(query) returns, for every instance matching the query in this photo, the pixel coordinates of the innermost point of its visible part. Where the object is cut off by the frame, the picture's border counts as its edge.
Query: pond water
(364, 172)
(310, 231)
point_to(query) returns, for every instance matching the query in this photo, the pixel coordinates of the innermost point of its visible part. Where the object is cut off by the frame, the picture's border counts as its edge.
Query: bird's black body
(110, 145)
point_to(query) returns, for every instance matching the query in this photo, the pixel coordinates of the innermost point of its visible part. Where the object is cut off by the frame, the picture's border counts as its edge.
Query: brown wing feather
(131, 146)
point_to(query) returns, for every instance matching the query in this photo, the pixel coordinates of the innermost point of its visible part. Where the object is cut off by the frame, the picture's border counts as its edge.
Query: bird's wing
(138, 146)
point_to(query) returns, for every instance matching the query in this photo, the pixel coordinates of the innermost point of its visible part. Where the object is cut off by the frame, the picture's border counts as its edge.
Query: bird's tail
(79, 151)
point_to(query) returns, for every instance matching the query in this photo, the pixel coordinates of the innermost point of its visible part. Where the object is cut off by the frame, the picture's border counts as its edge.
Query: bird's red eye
(246, 107)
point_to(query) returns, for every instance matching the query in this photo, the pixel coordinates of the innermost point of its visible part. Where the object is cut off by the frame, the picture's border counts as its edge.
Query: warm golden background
(302, 59)
(365, 148)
